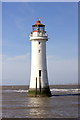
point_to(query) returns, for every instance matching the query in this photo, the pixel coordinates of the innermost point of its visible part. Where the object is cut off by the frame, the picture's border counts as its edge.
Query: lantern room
(38, 27)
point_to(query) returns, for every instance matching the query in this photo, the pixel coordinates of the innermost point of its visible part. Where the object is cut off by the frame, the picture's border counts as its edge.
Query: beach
(63, 104)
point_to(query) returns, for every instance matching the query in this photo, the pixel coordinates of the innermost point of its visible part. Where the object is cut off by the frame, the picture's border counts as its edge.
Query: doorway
(40, 80)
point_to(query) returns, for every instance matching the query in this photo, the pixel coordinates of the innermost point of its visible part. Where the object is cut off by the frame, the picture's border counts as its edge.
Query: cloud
(16, 70)
(62, 71)
(0, 69)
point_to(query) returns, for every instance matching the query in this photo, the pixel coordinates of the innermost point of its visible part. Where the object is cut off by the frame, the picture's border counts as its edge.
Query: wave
(20, 91)
(65, 90)
(52, 90)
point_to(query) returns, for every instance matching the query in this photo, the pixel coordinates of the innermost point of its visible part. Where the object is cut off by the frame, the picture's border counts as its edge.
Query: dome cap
(38, 23)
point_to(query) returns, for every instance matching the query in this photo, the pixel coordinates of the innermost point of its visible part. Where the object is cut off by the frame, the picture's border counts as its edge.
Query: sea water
(63, 103)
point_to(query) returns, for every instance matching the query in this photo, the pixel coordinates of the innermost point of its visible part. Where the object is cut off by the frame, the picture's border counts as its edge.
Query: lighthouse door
(39, 73)
(40, 80)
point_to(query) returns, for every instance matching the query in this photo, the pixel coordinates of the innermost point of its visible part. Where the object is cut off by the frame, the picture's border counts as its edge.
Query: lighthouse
(39, 85)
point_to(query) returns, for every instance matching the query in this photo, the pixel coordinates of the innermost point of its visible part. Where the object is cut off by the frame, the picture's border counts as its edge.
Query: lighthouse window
(39, 51)
(39, 42)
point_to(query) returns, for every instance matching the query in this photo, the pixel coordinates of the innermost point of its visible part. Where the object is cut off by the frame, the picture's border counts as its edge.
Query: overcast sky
(61, 20)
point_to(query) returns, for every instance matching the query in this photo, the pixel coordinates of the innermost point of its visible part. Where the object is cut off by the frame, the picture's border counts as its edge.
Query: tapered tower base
(44, 92)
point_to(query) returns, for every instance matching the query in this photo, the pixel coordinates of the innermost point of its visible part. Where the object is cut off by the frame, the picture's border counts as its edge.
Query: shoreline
(25, 87)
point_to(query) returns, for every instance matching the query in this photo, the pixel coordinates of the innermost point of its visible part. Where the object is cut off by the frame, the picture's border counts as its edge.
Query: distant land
(25, 87)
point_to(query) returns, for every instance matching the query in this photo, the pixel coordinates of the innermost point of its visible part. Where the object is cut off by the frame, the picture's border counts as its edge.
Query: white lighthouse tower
(39, 79)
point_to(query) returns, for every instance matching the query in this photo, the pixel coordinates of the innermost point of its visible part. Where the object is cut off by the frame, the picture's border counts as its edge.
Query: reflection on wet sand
(38, 107)
(16, 104)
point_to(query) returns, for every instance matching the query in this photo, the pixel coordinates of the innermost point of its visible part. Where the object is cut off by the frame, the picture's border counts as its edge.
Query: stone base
(45, 92)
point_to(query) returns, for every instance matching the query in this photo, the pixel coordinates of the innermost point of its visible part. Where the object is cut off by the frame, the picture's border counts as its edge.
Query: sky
(61, 20)
(0, 43)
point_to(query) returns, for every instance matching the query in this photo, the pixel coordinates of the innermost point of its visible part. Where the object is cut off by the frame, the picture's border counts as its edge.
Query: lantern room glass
(38, 28)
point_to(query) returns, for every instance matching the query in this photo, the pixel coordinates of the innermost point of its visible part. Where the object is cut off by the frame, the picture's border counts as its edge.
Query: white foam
(52, 90)
(65, 90)
(21, 91)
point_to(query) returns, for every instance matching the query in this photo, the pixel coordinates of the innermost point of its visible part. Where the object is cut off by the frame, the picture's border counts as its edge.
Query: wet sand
(16, 103)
